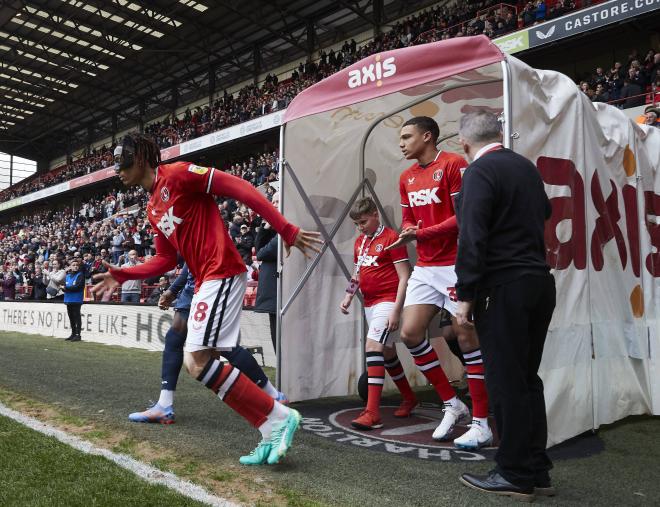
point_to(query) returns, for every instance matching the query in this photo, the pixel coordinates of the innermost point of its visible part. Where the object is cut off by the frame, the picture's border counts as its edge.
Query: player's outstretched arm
(407, 235)
(224, 184)
(306, 242)
(105, 281)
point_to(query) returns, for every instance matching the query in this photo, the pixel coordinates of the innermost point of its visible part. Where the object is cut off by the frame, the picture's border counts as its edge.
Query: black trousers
(272, 321)
(73, 309)
(512, 321)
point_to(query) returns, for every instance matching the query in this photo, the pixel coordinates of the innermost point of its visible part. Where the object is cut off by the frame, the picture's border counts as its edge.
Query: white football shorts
(377, 317)
(432, 285)
(215, 311)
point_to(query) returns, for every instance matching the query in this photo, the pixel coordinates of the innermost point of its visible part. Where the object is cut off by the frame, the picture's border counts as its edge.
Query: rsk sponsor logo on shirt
(424, 197)
(372, 72)
(168, 222)
(366, 261)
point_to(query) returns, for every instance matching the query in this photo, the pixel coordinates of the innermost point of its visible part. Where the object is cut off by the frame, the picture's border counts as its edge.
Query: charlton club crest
(379, 248)
(164, 194)
(437, 176)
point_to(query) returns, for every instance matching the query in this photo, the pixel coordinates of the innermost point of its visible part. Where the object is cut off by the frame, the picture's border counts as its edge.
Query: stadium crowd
(437, 23)
(37, 250)
(623, 85)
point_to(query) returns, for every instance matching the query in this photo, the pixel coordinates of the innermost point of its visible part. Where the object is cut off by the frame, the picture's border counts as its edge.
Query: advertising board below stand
(142, 327)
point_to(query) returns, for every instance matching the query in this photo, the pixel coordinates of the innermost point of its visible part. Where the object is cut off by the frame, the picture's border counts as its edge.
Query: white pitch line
(142, 470)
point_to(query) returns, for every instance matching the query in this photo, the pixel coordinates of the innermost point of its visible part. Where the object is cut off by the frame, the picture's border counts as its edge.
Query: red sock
(428, 363)
(237, 391)
(395, 370)
(376, 374)
(474, 366)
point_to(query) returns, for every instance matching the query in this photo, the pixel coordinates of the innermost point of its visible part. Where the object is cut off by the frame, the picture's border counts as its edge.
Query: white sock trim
(166, 398)
(235, 372)
(270, 390)
(277, 415)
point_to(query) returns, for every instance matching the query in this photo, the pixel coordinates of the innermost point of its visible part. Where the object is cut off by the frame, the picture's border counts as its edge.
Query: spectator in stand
(654, 68)
(584, 88)
(636, 75)
(266, 246)
(17, 274)
(601, 94)
(539, 11)
(244, 244)
(74, 288)
(38, 285)
(117, 245)
(131, 289)
(87, 265)
(528, 14)
(632, 93)
(8, 284)
(598, 78)
(55, 279)
(137, 241)
(159, 290)
(235, 228)
(652, 116)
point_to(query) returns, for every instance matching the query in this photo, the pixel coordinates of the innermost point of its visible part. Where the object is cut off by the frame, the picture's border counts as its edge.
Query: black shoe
(75, 338)
(543, 487)
(69, 338)
(498, 485)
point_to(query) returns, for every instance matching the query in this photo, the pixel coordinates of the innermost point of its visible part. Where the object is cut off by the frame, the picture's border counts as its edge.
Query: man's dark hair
(146, 149)
(425, 124)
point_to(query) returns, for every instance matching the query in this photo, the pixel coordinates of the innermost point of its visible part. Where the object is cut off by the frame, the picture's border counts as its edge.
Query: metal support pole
(506, 126)
(278, 320)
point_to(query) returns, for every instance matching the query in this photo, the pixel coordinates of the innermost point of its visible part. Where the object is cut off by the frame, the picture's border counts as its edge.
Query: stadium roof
(75, 71)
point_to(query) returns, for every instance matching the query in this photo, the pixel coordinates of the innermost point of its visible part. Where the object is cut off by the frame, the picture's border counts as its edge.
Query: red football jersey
(182, 210)
(379, 280)
(426, 195)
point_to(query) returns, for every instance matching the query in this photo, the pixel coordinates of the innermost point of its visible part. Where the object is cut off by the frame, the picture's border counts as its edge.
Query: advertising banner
(514, 42)
(584, 20)
(141, 327)
(88, 179)
(229, 134)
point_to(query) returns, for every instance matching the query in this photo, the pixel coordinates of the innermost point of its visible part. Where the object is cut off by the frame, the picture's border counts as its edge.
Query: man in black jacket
(505, 283)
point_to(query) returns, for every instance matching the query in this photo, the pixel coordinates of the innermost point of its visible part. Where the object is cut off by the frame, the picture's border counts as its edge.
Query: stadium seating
(487, 17)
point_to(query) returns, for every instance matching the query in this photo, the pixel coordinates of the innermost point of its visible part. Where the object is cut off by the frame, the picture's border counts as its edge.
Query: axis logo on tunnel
(374, 72)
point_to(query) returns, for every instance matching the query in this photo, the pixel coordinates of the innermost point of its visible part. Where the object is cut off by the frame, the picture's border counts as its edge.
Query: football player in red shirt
(382, 276)
(182, 209)
(428, 189)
